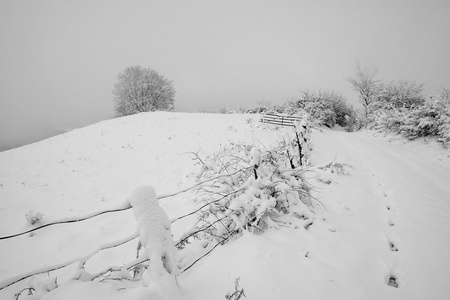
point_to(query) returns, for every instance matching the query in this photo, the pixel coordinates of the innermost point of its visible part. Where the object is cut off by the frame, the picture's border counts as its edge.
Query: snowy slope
(408, 187)
(396, 196)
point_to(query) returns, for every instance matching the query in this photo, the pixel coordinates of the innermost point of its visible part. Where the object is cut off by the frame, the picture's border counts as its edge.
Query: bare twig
(202, 229)
(209, 251)
(209, 203)
(195, 154)
(200, 183)
(29, 289)
(127, 267)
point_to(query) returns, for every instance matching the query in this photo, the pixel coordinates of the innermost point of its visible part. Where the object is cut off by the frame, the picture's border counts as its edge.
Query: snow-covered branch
(81, 260)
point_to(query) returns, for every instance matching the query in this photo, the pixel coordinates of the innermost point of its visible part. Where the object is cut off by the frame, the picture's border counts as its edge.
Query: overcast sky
(59, 59)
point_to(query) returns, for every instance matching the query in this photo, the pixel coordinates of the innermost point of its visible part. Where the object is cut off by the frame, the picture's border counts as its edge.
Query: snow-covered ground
(389, 217)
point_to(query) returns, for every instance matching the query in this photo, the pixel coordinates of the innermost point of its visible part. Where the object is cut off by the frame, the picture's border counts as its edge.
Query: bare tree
(141, 90)
(363, 82)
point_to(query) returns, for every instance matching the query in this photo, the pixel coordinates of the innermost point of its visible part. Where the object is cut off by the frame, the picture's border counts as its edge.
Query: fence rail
(281, 120)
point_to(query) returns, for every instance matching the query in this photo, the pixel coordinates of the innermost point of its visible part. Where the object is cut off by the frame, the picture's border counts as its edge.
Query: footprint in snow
(392, 281)
(392, 218)
(347, 211)
(332, 228)
(393, 247)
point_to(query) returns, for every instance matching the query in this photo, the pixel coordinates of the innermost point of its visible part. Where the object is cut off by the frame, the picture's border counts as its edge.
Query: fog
(59, 60)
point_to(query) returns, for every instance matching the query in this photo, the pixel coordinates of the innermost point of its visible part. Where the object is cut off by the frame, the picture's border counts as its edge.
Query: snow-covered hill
(387, 220)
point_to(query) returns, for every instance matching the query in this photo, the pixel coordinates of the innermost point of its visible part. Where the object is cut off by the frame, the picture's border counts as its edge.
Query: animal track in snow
(386, 193)
(392, 281)
(393, 247)
(347, 210)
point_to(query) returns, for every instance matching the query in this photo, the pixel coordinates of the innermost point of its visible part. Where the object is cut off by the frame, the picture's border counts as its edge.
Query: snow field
(395, 196)
(96, 168)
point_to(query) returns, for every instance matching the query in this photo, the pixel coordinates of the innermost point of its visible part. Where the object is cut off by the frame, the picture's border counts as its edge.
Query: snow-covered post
(302, 139)
(256, 160)
(155, 235)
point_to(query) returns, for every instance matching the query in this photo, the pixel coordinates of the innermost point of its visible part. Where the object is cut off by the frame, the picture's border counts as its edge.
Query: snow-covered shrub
(444, 129)
(225, 110)
(33, 216)
(318, 105)
(430, 118)
(356, 121)
(443, 119)
(262, 107)
(325, 108)
(384, 120)
(249, 188)
(399, 94)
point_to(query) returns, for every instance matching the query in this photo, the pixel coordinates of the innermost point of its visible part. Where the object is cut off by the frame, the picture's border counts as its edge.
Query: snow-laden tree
(141, 90)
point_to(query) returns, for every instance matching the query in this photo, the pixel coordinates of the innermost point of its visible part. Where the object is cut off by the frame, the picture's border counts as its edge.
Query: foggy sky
(59, 60)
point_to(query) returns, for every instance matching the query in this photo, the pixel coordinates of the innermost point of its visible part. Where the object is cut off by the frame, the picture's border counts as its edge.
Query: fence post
(299, 149)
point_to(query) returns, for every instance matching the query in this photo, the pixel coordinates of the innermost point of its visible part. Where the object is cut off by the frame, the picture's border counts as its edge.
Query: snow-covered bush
(431, 118)
(262, 107)
(442, 107)
(399, 94)
(250, 188)
(325, 108)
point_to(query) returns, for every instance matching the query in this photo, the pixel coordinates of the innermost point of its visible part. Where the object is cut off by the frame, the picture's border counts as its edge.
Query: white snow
(395, 196)
(33, 217)
(256, 157)
(155, 234)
